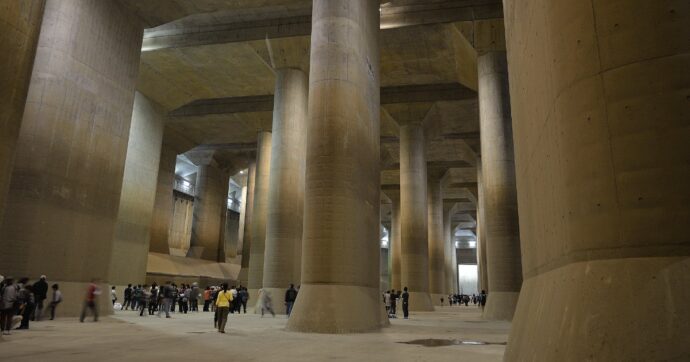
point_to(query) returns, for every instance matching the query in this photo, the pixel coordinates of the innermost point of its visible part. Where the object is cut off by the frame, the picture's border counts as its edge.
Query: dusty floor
(191, 337)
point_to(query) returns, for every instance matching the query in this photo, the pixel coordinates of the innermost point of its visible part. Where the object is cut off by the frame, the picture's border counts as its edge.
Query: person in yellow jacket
(223, 302)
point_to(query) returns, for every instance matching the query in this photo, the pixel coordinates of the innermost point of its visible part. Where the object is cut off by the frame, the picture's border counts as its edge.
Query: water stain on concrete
(433, 342)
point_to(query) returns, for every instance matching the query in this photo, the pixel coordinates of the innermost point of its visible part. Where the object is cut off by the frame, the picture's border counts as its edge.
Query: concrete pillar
(448, 249)
(413, 217)
(243, 213)
(211, 196)
(500, 205)
(70, 154)
(20, 24)
(601, 146)
(163, 210)
(259, 216)
(395, 242)
(481, 236)
(247, 225)
(341, 212)
(223, 226)
(436, 239)
(130, 248)
(283, 251)
(384, 275)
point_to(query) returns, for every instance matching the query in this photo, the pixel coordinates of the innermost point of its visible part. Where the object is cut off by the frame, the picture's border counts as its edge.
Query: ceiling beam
(426, 93)
(272, 26)
(389, 95)
(204, 107)
(459, 185)
(446, 136)
(432, 164)
(240, 146)
(393, 16)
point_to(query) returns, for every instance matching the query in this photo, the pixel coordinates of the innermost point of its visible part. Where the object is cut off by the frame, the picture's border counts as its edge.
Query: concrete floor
(191, 337)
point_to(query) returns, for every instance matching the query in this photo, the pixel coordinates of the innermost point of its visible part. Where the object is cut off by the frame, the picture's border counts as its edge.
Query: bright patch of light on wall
(457, 244)
(472, 244)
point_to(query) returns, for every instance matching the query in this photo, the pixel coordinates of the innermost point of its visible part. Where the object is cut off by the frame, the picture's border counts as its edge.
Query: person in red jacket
(92, 292)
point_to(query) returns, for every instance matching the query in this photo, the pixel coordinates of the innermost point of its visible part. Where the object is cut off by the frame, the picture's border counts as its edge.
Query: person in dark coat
(40, 294)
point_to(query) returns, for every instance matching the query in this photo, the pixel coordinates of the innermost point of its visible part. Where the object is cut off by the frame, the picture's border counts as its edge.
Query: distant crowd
(22, 301)
(392, 297)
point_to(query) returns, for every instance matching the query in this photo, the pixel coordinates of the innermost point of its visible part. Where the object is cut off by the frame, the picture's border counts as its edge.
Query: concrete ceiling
(210, 51)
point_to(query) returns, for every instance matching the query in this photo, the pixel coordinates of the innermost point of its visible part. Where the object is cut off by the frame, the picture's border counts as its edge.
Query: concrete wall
(20, 23)
(70, 155)
(132, 231)
(600, 93)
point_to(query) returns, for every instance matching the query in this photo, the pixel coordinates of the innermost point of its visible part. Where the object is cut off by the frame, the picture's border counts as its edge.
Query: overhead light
(241, 172)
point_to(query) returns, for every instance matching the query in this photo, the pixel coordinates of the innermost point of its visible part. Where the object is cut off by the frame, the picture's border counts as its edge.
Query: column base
(420, 302)
(328, 308)
(613, 309)
(500, 306)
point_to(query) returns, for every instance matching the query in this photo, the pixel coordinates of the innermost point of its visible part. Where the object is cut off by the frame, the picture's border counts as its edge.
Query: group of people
(466, 299)
(390, 300)
(21, 302)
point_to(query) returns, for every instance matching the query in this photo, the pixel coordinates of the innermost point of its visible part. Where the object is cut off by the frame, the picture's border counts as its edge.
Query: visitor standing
(113, 295)
(128, 297)
(145, 298)
(40, 293)
(394, 303)
(207, 298)
(8, 300)
(290, 297)
(244, 298)
(167, 292)
(223, 302)
(27, 303)
(194, 298)
(55, 300)
(405, 302)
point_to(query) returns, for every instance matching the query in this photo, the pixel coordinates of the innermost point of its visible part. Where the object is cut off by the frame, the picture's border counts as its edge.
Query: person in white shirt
(57, 298)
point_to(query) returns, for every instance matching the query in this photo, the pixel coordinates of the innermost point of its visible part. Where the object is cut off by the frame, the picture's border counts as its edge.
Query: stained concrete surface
(251, 338)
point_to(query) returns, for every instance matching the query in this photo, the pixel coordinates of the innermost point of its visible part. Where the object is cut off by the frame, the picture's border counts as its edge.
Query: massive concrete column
(436, 239)
(384, 272)
(163, 210)
(395, 242)
(20, 23)
(211, 196)
(70, 154)
(243, 213)
(283, 251)
(448, 249)
(259, 216)
(498, 183)
(340, 255)
(247, 225)
(602, 173)
(413, 217)
(481, 238)
(133, 228)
